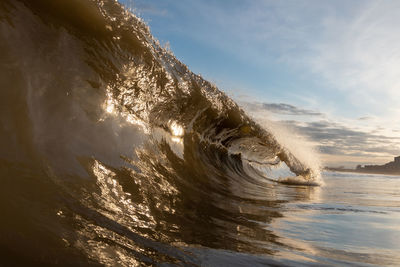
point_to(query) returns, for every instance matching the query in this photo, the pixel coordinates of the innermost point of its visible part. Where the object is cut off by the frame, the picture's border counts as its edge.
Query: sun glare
(176, 129)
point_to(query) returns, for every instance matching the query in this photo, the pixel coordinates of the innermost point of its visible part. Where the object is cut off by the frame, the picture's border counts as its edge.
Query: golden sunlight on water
(176, 129)
(127, 158)
(177, 133)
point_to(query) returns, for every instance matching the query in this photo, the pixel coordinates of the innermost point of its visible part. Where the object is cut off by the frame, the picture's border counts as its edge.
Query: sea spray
(115, 153)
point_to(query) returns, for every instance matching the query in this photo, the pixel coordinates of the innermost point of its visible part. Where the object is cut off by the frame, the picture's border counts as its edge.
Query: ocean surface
(113, 153)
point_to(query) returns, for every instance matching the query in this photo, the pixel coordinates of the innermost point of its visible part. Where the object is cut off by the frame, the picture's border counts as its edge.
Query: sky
(326, 70)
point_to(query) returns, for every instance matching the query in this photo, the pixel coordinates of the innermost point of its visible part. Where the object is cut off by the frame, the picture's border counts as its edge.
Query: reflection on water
(240, 222)
(353, 220)
(165, 208)
(114, 154)
(198, 214)
(176, 129)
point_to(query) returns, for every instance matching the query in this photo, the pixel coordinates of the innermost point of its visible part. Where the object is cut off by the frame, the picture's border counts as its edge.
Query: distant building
(393, 166)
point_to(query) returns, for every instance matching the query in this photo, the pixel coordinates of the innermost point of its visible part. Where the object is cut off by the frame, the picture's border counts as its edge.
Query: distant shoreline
(363, 171)
(390, 168)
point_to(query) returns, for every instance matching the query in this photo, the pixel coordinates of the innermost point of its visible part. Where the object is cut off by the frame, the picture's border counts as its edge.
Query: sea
(113, 153)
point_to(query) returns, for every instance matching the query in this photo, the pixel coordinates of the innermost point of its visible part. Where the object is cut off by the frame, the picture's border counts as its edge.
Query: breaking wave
(115, 153)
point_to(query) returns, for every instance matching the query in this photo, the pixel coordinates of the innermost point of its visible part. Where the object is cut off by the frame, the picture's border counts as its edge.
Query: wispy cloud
(280, 108)
(366, 118)
(350, 48)
(360, 55)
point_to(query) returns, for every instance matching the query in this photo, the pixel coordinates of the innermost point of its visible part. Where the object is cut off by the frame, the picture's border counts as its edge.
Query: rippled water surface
(353, 219)
(113, 153)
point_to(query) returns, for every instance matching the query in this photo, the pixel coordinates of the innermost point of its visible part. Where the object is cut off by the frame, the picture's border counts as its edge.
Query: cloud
(280, 108)
(350, 48)
(346, 50)
(339, 141)
(359, 54)
(287, 109)
(366, 118)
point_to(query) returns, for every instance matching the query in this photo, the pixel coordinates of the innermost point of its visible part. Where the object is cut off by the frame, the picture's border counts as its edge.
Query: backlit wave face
(114, 153)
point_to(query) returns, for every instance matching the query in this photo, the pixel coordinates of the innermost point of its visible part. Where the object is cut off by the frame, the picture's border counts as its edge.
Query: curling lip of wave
(112, 150)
